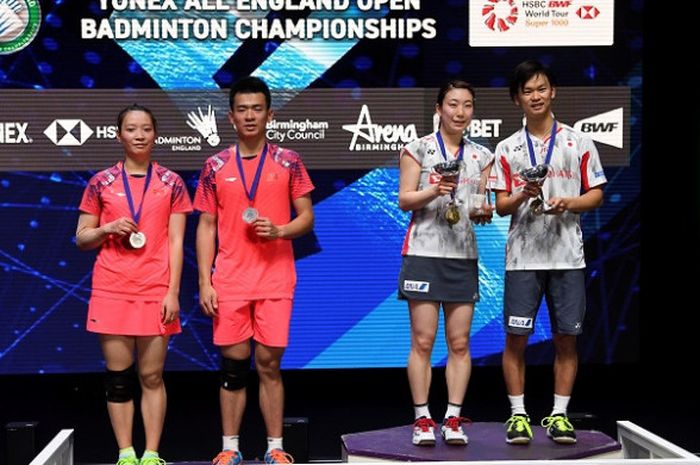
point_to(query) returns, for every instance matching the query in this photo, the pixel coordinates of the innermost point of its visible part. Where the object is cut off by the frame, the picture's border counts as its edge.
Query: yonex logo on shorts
(520, 322)
(416, 286)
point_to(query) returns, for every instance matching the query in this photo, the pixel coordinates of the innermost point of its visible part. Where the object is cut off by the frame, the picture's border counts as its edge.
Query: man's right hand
(532, 189)
(121, 227)
(208, 300)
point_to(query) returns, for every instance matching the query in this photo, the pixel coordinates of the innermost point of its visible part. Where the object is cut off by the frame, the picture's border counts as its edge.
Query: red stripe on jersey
(506, 171)
(406, 152)
(584, 172)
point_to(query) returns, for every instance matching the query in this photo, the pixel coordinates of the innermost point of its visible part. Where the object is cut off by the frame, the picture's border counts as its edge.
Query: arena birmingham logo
(19, 24)
(380, 138)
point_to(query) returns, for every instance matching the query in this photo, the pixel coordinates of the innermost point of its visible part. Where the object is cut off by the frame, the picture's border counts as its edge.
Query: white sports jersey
(547, 242)
(429, 234)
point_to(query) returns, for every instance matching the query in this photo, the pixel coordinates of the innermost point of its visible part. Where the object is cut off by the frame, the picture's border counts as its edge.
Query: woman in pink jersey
(134, 213)
(442, 182)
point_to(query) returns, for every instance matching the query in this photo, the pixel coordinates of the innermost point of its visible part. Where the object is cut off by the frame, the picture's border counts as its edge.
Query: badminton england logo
(19, 24)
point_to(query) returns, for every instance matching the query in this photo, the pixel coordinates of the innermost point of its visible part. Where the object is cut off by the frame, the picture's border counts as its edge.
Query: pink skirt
(128, 318)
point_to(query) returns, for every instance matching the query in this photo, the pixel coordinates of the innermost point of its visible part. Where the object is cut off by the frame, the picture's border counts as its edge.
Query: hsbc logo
(68, 132)
(606, 128)
(588, 12)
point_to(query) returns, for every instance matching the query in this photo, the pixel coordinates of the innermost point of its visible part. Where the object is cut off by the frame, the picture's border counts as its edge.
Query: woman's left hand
(171, 308)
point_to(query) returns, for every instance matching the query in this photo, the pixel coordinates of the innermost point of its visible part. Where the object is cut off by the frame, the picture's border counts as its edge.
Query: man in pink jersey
(544, 252)
(245, 195)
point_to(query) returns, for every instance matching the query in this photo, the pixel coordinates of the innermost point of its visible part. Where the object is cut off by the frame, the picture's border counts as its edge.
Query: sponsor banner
(65, 130)
(528, 23)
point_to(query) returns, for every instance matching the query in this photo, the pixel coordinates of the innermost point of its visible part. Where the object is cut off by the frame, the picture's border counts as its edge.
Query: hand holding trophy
(536, 175)
(480, 209)
(450, 169)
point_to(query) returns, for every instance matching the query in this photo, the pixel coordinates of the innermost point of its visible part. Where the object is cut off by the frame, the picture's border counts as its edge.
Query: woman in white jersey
(443, 177)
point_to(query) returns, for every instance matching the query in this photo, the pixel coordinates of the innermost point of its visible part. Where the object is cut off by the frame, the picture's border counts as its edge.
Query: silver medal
(137, 240)
(250, 214)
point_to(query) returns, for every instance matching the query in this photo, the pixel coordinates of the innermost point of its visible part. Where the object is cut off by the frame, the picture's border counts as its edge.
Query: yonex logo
(68, 132)
(416, 286)
(520, 322)
(500, 15)
(19, 24)
(13, 132)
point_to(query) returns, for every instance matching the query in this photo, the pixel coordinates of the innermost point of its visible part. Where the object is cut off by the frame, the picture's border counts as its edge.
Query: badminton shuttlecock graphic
(205, 124)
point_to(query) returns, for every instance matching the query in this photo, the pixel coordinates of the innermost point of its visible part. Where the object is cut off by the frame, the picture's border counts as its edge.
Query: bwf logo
(416, 286)
(520, 322)
(605, 128)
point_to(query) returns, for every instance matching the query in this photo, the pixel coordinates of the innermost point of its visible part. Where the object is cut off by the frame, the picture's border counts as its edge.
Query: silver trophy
(536, 175)
(450, 169)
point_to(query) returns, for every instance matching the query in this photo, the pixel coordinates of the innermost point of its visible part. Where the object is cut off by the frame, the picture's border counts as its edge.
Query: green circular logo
(19, 24)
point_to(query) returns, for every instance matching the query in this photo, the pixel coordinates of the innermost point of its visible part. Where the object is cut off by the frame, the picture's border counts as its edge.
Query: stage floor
(486, 442)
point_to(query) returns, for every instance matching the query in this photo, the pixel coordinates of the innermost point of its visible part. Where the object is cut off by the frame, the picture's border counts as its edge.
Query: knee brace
(234, 373)
(120, 385)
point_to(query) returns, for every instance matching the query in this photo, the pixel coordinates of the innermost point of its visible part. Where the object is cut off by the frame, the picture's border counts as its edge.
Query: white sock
(517, 405)
(421, 411)
(453, 410)
(560, 404)
(230, 442)
(274, 443)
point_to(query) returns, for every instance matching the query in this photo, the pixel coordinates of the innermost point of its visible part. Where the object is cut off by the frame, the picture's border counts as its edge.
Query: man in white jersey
(544, 252)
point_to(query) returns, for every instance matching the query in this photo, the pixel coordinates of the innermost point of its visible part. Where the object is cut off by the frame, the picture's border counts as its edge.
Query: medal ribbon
(129, 198)
(550, 149)
(443, 152)
(256, 180)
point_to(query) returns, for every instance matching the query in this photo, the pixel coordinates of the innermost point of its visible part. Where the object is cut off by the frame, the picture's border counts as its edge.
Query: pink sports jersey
(547, 242)
(120, 271)
(249, 267)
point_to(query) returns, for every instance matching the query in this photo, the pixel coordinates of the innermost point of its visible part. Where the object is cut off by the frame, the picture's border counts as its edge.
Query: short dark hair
(526, 71)
(453, 84)
(135, 107)
(249, 85)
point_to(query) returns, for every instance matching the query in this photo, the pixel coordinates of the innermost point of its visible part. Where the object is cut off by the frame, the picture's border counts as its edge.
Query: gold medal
(452, 215)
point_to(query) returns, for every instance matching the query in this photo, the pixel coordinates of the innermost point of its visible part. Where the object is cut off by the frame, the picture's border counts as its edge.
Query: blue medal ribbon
(443, 152)
(136, 215)
(550, 149)
(256, 180)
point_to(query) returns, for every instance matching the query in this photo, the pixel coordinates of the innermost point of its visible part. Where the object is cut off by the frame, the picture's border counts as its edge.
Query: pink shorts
(128, 317)
(265, 320)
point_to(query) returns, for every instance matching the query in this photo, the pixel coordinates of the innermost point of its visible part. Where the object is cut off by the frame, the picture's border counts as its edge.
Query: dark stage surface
(341, 402)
